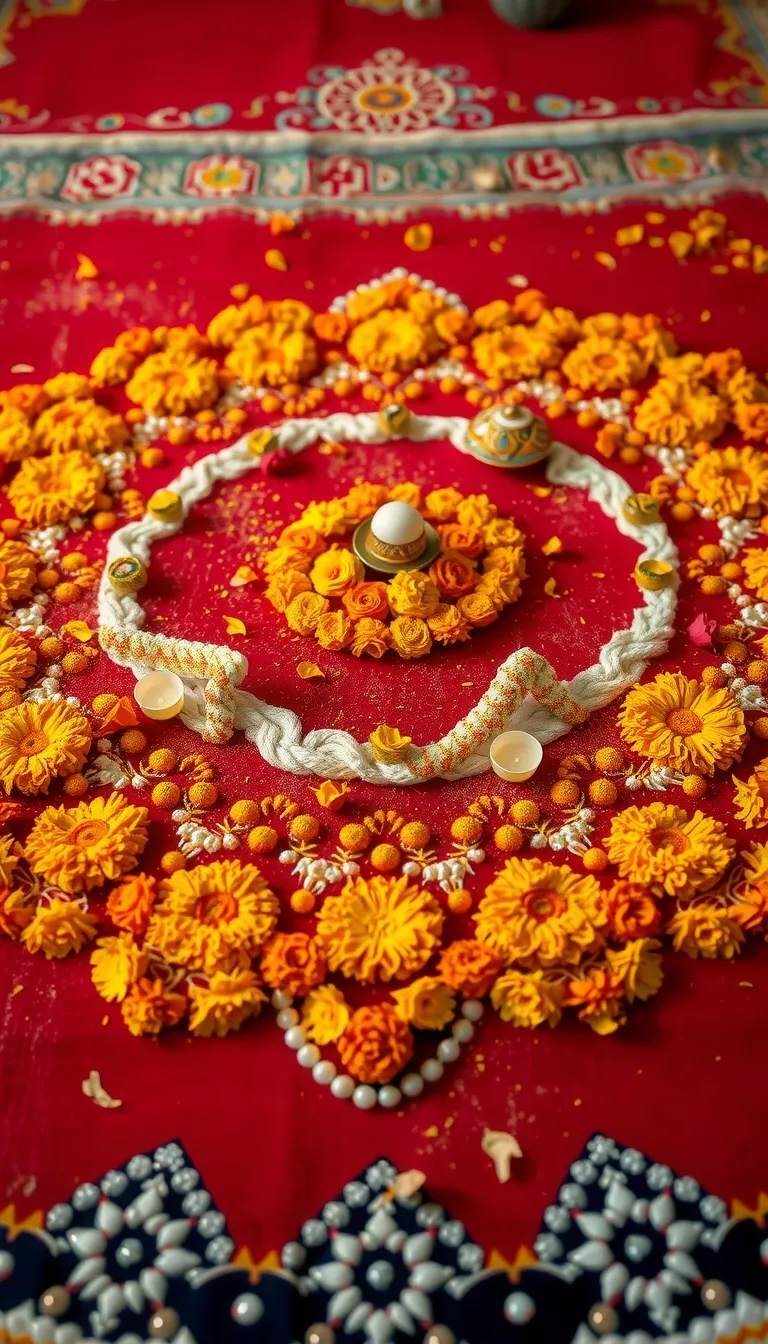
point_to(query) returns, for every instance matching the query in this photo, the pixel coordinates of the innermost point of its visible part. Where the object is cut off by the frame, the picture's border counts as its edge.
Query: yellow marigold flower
(300, 537)
(52, 489)
(392, 340)
(366, 303)
(755, 566)
(79, 424)
(17, 659)
(40, 741)
(77, 848)
(9, 860)
(113, 365)
(284, 585)
(560, 325)
(370, 636)
(499, 586)
(688, 368)
(58, 928)
(442, 504)
(601, 363)
(603, 324)
(720, 366)
(138, 340)
(364, 499)
(676, 722)
(65, 385)
(744, 385)
(376, 1044)
(527, 999)
(382, 929)
(752, 419)
(116, 964)
(31, 398)
(15, 912)
(680, 413)
(410, 637)
(16, 438)
(515, 352)
(334, 631)
(708, 931)
(448, 626)
(151, 1005)
(224, 1003)
(754, 858)
(477, 511)
(335, 571)
(284, 558)
(638, 965)
(751, 798)
(536, 912)
(18, 569)
(271, 355)
(495, 315)
(213, 918)
(173, 382)
(407, 491)
(304, 611)
(730, 480)
(412, 593)
(291, 314)
(599, 997)
(325, 1014)
(180, 338)
(666, 850)
(229, 324)
(427, 1003)
(655, 343)
(509, 559)
(327, 516)
(501, 532)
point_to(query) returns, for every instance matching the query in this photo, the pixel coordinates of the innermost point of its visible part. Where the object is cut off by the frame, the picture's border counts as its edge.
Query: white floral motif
(387, 93)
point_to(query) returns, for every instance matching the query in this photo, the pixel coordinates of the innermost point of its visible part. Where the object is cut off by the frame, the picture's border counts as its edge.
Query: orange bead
(262, 839)
(50, 648)
(133, 741)
(104, 520)
(525, 812)
(694, 786)
(11, 526)
(587, 419)
(166, 794)
(630, 457)
(714, 677)
(66, 592)
(757, 671)
(466, 830)
(302, 902)
(603, 792)
(449, 385)
(203, 794)
(47, 578)
(304, 827)
(245, 812)
(508, 839)
(162, 759)
(735, 652)
(609, 758)
(72, 562)
(152, 457)
(75, 786)
(732, 571)
(102, 500)
(565, 793)
(760, 727)
(384, 858)
(415, 835)
(711, 554)
(74, 662)
(682, 513)
(354, 837)
(101, 704)
(172, 862)
(459, 901)
(712, 585)
(595, 860)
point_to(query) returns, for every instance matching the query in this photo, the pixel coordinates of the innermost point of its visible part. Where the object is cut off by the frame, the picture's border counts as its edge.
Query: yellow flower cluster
(321, 588)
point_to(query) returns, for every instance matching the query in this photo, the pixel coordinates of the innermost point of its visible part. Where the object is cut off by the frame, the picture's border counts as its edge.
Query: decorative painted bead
(54, 1301)
(473, 1010)
(448, 1051)
(430, 1215)
(7, 1263)
(59, 1217)
(314, 1232)
(471, 1257)
(603, 1318)
(519, 1308)
(439, 1334)
(184, 1180)
(389, 1096)
(324, 1072)
(129, 1252)
(287, 1017)
(412, 1084)
(431, 1070)
(636, 1248)
(163, 1324)
(220, 1250)
(114, 1183)
(364, 1097)
(211, 1224)
(380, 1275)
(335, 1214)
(451, 1233)
(70, 1333)
(195, 1203)
(715, 1295)
(293, 1256)
(281, 999)
(320, 1334)
(247, 1309)
(343, 1086)
(308, 1056)
(85, 1197)
(463, 1031)
(295, 1037)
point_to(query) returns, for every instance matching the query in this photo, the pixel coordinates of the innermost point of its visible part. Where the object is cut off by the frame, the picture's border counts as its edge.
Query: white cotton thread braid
(219, 708)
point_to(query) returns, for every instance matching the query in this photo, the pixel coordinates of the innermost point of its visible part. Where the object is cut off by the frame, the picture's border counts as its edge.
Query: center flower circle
(384, 98)
(472, 569)
(33, 744)
(542, 904)
(684, 722)
(665, 837)
(89, 833)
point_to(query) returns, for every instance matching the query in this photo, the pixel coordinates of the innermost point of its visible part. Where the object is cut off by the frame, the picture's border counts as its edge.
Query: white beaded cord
(330, 752)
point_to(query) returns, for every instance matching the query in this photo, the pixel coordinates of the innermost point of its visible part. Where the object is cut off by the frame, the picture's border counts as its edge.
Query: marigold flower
(676, 722)
(224, 1003)
(381, 929)
(453, 575)
(51, 490)
(598, 994)
(679, 413)
(334, 630)
(539, 913)
(304, 611)
(469, 967)
(213, 918)
(325, 1014)
(284, 586)
(366, 599)
(478, 609)
(442, 504)
(17, 659)
(150, 1005)
(632, 911)
(527, 999)
(412, 593)
(77, 848)
(58, 928)
(638, 966)
(376, 1044)
(130, 904)
(663, 848)
(116, 964)
(447, 625)
(708, 931)
(39, 742)
(371, 637)
(79, 424)
(336, 571)
(410, 637)
(427, 1003)
(293, 962)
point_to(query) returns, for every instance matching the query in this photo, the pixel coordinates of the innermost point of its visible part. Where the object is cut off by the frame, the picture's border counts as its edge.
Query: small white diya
(159, 695)
(516, 756)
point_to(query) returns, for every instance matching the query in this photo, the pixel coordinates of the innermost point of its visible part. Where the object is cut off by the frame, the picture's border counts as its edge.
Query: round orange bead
(459, 901)
(305, 828)
(172, 861)
(302, 902)
(603, 792)
(75, 786)
(384, 858)
(203, 794)
(508, 839)
(245, 812)
(262, 839)
(694, 786)
(133, 741)
(595, 860)
(565, 793)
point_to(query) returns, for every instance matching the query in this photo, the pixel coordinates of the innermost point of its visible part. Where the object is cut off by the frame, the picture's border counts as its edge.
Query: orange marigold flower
(752, 419)
(224, 1003)
(371, 637)
(15, 912)
(129, 905)
(469, 967)
(331, 327)
(293, 962)
(599, 997)
(530, 304)
(751, 912)
(467, 541)
(453, 575)
(454, 326)
(376, 1044)
(632, 911)
(150, 1005)
(366, 599)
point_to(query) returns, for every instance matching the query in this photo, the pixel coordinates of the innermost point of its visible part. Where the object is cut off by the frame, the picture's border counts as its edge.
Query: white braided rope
(330, 752)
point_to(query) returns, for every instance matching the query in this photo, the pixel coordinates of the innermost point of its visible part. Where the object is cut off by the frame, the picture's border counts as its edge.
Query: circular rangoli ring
(524, 693)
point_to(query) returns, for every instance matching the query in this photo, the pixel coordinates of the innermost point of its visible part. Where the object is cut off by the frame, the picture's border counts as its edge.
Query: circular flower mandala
(213, 918)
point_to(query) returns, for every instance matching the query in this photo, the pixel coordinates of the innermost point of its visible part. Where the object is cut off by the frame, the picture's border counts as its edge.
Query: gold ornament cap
(641, 509)
(166, 506)
(127, 575)
(654, 575)
(394, 421)
(260, 441)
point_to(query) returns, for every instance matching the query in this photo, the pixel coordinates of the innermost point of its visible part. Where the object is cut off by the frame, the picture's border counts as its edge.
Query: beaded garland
(627, 1249)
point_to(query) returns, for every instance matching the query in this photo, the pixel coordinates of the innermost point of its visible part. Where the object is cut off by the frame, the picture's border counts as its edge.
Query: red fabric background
(683, 1080)
(136, 56)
